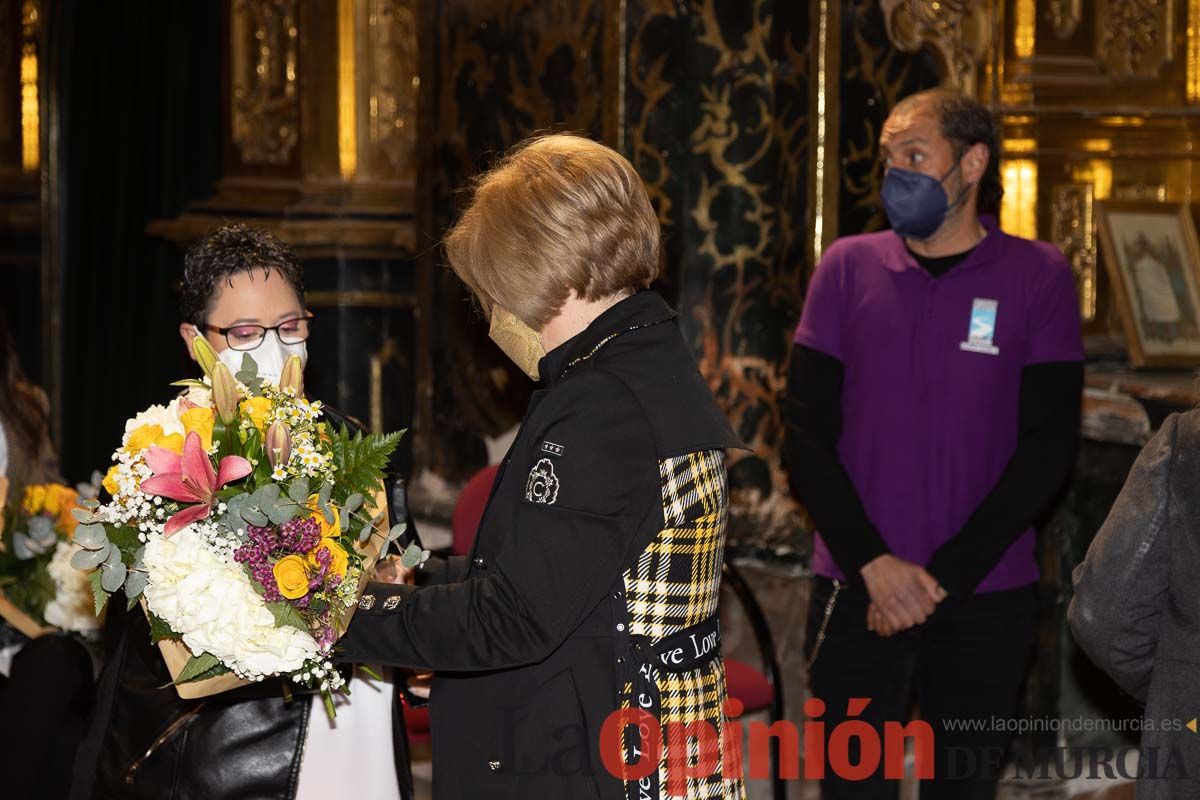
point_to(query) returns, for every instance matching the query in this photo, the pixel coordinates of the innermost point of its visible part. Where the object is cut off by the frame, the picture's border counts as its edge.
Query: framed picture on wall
(1152, 255)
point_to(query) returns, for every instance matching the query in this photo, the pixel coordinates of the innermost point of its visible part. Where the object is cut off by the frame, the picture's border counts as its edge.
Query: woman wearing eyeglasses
(242, 290)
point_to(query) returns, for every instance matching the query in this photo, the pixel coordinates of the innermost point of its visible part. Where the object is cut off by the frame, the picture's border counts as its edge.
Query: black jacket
(530, 635)
(145, 741)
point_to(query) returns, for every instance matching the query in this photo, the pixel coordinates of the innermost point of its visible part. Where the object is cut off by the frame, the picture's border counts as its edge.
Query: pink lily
(189, 478)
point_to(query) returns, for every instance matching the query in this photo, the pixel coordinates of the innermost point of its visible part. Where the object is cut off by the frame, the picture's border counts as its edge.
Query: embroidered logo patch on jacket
(542, 486)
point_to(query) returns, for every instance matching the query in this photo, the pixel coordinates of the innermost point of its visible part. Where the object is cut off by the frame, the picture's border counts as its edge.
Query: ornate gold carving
(1134, 36)
(1024, 28)
(1073, 229)
(826, 116)
(393, 83)
(1193, 51)
(958, 31)
(30, 115)
(347, 91)
(1141, 190)
(1064, 16)
(266, 102)
(1018, 208)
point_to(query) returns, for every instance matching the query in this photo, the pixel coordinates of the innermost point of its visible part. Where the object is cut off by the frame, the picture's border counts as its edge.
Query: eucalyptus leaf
(323, 495)
(114, 557)
(234, 506)
(90, 504)
(135, 584)
(255, 517)
(352, 503)
(269, 493)
(298, 491)
(88, 559)
(83, 515)
(276, 512)
(41, 530)
(138, 556)
(248, 371)
(397, 531)
(196, 667)
(414, 556)
(365, 533)
(91, 536)
(23, 547)
(113, 576)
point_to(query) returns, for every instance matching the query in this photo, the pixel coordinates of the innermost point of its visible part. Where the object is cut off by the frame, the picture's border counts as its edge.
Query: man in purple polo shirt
(933, 414)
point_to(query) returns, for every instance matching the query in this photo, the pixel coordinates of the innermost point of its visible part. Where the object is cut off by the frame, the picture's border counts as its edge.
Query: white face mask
(270, 356)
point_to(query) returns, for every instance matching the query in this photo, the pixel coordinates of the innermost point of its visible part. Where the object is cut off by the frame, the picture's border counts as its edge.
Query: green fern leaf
(361, 461)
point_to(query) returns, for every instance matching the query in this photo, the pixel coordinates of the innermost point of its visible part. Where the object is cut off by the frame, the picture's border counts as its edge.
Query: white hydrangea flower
(211, 604)
(72, 608)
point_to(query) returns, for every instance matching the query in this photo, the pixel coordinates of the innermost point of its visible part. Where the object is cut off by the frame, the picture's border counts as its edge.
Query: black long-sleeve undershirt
(1048, 433)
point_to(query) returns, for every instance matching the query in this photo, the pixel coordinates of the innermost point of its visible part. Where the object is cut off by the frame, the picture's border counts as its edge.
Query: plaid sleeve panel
(674, 584)
(693, 486)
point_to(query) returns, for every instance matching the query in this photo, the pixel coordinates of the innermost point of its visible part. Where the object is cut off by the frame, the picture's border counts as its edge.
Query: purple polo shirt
(933, 377)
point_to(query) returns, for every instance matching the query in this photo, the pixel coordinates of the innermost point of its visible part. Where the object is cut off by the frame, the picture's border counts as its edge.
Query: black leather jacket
(144, 741)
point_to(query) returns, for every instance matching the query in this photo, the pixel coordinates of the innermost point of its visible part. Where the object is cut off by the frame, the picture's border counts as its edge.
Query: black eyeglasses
(249, 337)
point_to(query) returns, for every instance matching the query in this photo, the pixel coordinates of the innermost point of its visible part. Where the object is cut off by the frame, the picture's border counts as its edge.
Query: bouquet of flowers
(37, 584)
(245, 525)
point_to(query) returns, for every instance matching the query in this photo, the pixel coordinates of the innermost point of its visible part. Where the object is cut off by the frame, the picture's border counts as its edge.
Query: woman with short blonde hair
(598, 559)
(560, 213)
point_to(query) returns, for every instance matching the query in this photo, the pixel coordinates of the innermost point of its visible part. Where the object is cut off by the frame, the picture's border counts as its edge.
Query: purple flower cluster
(324, 558)
(299, 535)
(296, 537)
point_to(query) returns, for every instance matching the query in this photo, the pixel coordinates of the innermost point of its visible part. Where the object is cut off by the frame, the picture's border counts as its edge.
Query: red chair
(756, 690)
(416, 722)
(468, 511)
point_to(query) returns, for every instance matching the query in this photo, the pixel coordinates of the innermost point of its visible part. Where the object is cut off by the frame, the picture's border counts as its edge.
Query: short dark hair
(965, 123)
(227, 251)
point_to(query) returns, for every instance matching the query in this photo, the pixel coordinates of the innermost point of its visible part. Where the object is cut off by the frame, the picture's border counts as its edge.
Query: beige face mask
(519, 342)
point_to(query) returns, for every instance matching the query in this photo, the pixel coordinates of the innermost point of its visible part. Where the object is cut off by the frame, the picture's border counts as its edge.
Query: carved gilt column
(319, 146)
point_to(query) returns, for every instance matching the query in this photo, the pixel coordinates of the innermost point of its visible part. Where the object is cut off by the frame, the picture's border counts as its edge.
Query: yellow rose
(328, 531)
(35, 499)
(340, 561)
(199, 421)
(173, 442)
(142, 438)
(60, 500)
(291, 576)
(257, 409)
(52, 503)
(110, 481)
